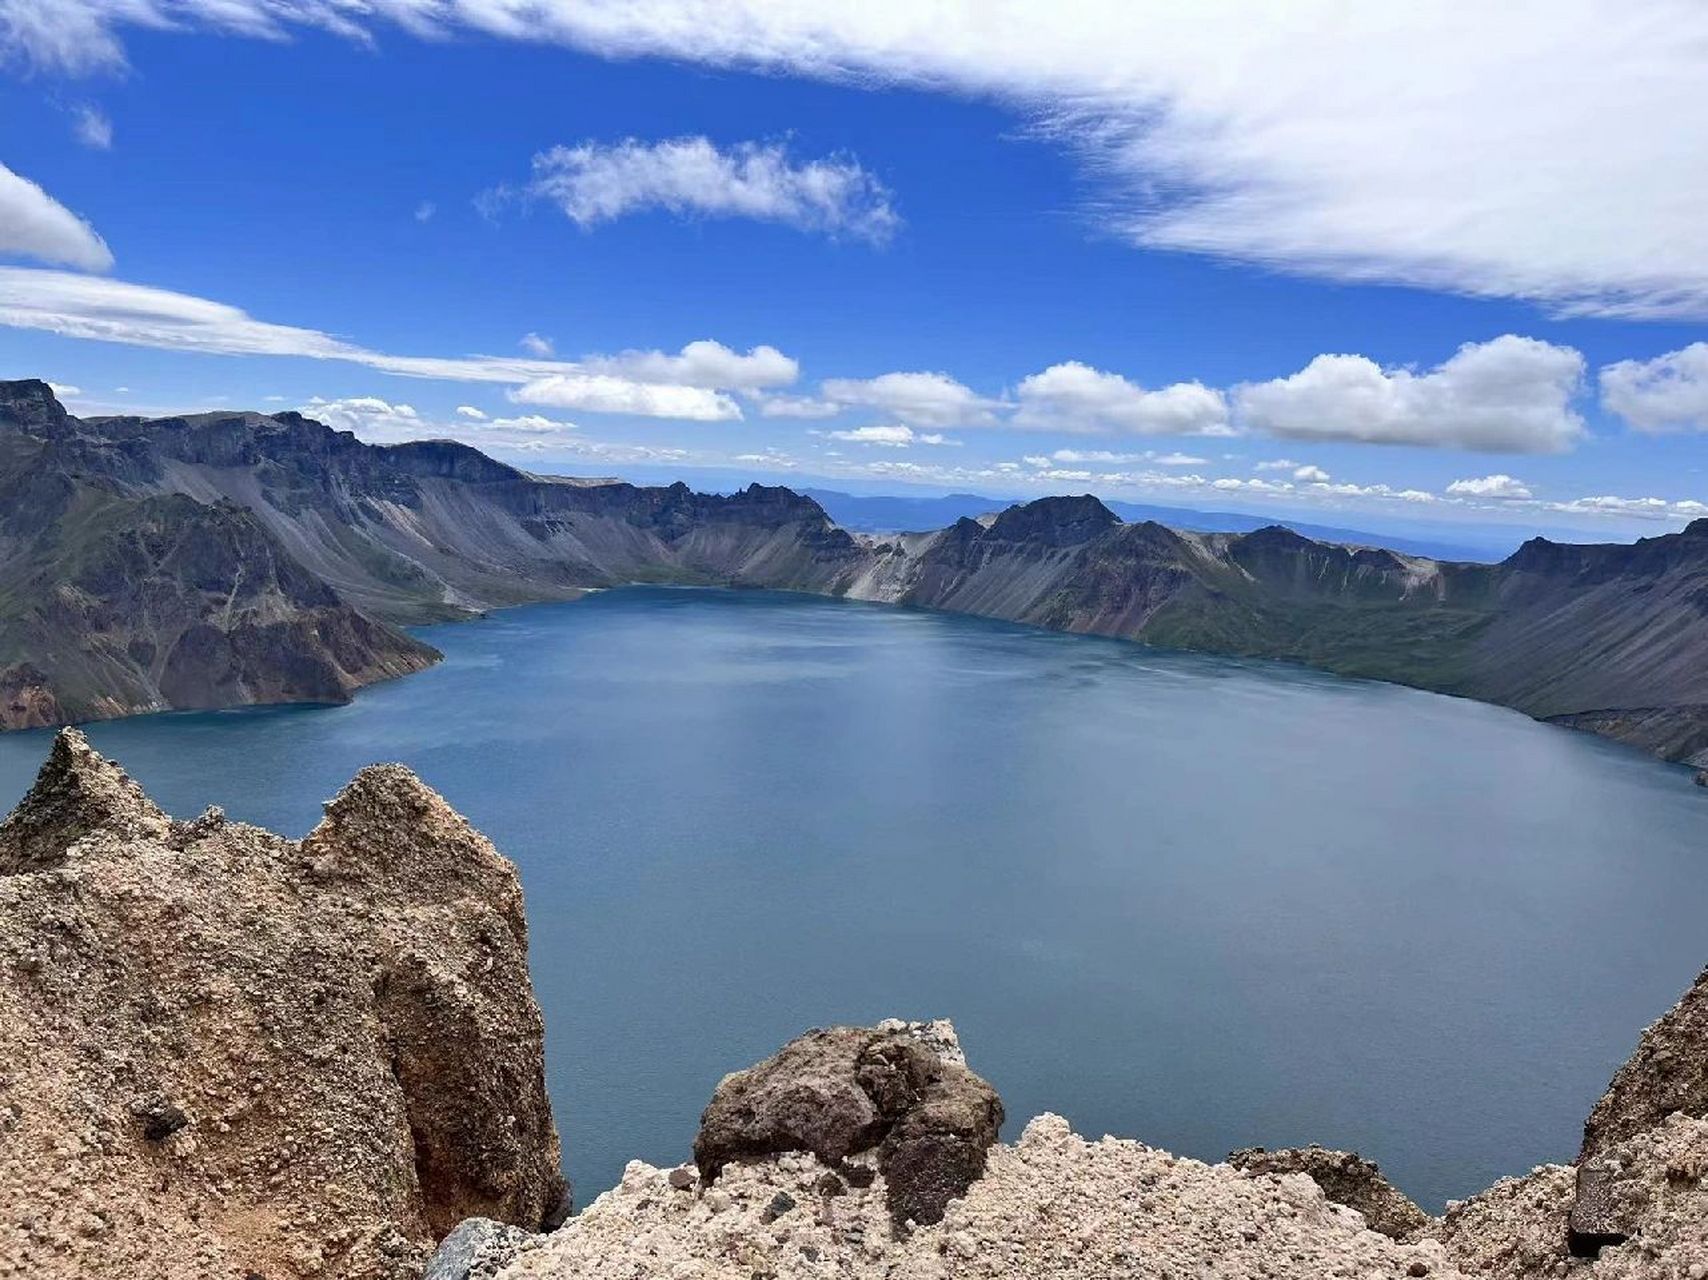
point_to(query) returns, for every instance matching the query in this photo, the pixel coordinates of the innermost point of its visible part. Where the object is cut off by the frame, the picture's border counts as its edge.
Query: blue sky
(1130, 264)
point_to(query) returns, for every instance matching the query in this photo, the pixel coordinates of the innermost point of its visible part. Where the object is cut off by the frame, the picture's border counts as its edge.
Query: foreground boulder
(1345, 1178)
(890, 1089)
(224, 1054)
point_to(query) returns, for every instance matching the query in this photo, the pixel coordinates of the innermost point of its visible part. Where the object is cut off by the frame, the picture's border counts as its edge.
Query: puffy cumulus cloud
(1508, 395)
(594, 183)
(921, 399)
(605, 393)
(1495, 486)
(703, 363)
(536, 345)
(370, 417)
(1076, 397)
(897, 436)
(35, 225)
(1232, 484)
(107, 310)
(1668, 393)
(1348, 490)
(1310, 474)
(469, 411)
(1219, 127)
(65, 391)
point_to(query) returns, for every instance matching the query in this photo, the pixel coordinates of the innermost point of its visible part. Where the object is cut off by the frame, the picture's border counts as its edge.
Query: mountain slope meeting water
(1204, 901)
(229, 558)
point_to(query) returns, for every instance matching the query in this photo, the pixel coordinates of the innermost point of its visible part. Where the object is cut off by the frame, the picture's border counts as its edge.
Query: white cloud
(1075, 397)
(1311, 475)
(425, 211)
(604, 393)
(1668, 393)
(1495, 486)
(1638, 508)
(801, 407)
(368, 416)
(703, 363)
(91, 127)
(1424, 144)
(892, 437)
(1231, 484)
(1107, 457)
(1509, 395)
(595, 182)
(35, 225)
(65, 391)
(108, 310)
(1278, 464)
(923, 399)
(535, 345)
(469, 411)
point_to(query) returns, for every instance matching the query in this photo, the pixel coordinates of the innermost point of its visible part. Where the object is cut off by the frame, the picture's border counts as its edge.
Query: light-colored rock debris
(1051, 1205)
(228, 1055)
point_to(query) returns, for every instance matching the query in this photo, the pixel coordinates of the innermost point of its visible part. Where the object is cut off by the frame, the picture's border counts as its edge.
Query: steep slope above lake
(226, 558)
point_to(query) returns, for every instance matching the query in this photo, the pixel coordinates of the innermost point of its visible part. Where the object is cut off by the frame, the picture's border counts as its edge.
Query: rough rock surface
(1346, 1178)
(1052, 1205)
(840, 1091)
(1667, 1073)
(224, 1054)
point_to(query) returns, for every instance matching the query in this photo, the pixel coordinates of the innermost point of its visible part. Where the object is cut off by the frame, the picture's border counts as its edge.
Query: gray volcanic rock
(224, 1054)
(1346, 1178)
(845, 1090)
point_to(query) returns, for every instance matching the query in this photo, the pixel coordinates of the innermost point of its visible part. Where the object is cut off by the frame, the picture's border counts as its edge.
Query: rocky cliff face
(228, 1055)
(226, 558)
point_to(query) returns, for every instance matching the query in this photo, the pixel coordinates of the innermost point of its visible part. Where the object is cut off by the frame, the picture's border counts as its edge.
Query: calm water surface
(1203, 902)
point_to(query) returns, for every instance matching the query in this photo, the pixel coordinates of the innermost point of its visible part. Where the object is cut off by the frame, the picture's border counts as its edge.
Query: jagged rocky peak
(1056, 521)
(30, 404)
(230, 1054)
(77, 792)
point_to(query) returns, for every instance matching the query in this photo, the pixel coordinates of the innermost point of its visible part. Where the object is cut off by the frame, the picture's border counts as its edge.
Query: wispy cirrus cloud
(633, 382)
(1345, 142)
(35, 225)
(594, 183)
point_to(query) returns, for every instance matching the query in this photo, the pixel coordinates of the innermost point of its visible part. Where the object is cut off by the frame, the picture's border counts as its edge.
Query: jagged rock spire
(77, 793)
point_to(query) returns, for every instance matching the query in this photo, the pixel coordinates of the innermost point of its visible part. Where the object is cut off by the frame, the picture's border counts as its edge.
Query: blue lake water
(1202, 902)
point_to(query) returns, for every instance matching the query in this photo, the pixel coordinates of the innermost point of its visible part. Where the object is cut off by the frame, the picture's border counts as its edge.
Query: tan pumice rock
(225, 1054)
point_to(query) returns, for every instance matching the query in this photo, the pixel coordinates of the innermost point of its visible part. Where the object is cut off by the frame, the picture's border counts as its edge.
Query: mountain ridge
(128, 550)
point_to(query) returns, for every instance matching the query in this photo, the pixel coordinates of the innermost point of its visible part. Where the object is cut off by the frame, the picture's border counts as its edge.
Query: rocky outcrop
(1667, 1073)
(225, 1055)
(907, 1097)
(1345, 1178)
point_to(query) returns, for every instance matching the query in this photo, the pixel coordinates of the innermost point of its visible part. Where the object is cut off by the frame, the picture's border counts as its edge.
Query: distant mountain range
(231, 558)
(896, 514)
